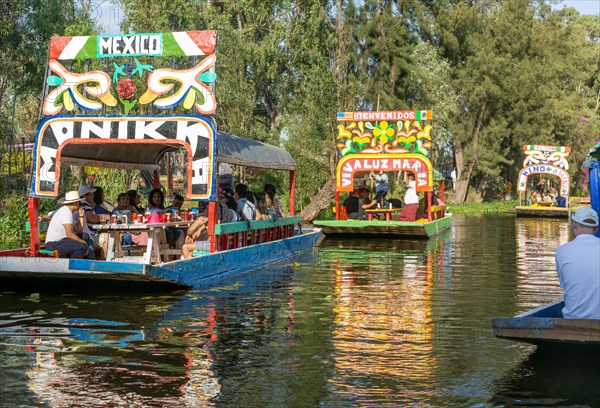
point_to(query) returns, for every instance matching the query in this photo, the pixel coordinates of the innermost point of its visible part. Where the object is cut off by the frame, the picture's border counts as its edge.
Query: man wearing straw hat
(63, 229)
(578, 267)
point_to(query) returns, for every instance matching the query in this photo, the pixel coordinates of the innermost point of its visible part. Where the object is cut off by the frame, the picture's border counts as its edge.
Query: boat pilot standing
(578, 267)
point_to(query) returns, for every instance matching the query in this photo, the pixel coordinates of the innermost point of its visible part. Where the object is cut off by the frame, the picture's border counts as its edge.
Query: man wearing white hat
(63, 229)
(578, 267)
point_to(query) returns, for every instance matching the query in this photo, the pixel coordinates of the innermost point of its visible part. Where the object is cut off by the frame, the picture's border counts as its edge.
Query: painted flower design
(126, 88)
(383, 132)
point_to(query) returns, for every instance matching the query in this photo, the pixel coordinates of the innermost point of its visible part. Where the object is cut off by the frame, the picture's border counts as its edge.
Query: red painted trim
(428, 205)
(33, 204)
(212, 222)
(337, 205)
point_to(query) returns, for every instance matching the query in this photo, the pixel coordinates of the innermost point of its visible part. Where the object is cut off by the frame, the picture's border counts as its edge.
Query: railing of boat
(239, 234)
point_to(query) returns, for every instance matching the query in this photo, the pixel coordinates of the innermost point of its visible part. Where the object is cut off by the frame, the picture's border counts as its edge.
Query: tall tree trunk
(463, 175)
(462, 184)
(481, 187)
(319, 201)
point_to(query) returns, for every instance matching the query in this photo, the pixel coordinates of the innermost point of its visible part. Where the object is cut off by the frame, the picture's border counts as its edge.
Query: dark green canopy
(251, 153)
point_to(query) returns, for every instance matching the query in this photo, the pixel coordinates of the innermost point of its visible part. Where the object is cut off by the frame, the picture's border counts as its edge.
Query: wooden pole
(292, 192)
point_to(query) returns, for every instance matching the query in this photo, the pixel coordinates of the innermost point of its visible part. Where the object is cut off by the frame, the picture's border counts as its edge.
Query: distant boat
(545, 325)
(544, 161)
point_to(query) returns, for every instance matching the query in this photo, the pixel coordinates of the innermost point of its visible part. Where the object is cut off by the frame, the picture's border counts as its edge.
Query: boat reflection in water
(75, 354)
(382, 316)
(536, 244)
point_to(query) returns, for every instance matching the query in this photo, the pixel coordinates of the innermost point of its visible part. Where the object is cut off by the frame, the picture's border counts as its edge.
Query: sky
(110, 14)
(590, 7)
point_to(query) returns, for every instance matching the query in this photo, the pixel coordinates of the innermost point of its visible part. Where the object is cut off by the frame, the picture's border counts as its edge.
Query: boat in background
(545, 325)
(544, 161)
(392, 142)
(71, 132)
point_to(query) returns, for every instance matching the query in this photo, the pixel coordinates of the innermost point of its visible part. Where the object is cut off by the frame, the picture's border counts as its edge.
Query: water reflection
(537, 241)
(382, 326)
(74, 352)
(367, 322)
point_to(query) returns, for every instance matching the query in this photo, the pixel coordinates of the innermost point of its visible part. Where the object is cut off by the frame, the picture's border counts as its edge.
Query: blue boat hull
(46, 273)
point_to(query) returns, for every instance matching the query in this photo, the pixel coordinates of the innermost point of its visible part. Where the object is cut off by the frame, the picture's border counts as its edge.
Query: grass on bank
(483, 207)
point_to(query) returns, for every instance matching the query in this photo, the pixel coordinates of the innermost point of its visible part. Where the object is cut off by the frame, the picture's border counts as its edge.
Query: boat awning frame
(252, 153)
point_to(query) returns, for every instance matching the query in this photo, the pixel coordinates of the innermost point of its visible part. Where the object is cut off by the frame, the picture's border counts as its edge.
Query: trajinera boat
(548, 164)
(392, 142)
(82, 123)
(545, 325)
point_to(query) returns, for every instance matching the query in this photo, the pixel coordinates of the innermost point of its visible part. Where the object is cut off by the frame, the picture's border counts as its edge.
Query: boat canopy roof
(230, 149)
(252, 153)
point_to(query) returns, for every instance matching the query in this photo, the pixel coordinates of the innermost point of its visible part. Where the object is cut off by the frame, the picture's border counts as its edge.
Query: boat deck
(382, 227)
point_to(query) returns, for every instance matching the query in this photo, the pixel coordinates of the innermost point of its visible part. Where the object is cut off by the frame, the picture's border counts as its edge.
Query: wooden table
(387, 211)
(156, 234)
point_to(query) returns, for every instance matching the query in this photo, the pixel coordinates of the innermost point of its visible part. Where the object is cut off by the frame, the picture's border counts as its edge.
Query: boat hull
(17, 272)
(546, 326)
(531, 211)
(388, 228)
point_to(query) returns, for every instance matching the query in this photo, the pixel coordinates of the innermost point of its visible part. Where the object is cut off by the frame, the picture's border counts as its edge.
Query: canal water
(372, 322)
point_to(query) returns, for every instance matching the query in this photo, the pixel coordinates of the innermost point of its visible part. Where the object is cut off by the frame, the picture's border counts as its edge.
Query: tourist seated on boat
(578, 267)
(536, 197)
(100, 207)
(272, 193)
(351, 203)
(226, 195)
(86, 195)
(135, 200)
(411, 199)
(263, 206)
(177, 202)
(546, 197)
(247, 209)
(65, 230)
(364, 203)
(424, 205)
(156, 204)
(125, 209)
(561, 201)
(197, 234)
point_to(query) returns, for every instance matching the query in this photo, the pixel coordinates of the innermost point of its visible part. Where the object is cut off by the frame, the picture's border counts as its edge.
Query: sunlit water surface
(370, 322)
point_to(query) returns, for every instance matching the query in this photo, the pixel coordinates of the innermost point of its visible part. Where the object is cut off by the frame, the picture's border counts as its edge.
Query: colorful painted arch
(123, 142)
(565, 179)
(418, 164)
